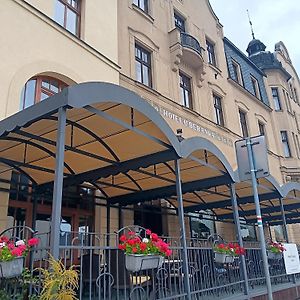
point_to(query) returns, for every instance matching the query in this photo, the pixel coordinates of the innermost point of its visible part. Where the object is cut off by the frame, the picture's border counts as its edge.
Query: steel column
(259, 219)
(285, 232)
(108, 222)
(239, 235)
(58, 183)
(182, 229)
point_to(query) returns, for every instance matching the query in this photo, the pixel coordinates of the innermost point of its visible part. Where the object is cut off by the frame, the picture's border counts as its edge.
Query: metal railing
(189, 41)
(103, 274)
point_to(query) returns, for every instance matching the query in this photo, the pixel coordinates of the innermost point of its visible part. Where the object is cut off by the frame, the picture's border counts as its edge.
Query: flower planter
(12, 268)
(272, 255)
(139, 262)
(223, 258)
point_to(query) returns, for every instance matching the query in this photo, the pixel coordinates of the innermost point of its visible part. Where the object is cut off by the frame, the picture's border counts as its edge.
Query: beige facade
(105, 51)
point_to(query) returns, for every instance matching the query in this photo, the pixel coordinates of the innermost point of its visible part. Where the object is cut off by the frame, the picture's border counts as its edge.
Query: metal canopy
(114, 140)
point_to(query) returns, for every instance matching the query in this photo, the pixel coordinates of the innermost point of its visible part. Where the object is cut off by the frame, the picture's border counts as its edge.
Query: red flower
(17, 252)
(168, 252)
(143, 246)
(154, 237)
(221, 246)
(131, 233)
(123, 238)
(4, 239)
(22, 248)
(11, 246)
(148, 231)
(134, 250)
(131, 242)
(122, 247)
(33, 242)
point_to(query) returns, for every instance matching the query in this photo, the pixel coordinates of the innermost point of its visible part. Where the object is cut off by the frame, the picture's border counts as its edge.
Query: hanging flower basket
(223, 258)
(12, 268)
(140, 262)
(143, 253)
(275, 250)
(12, 255)
(225, 253)
(272, 255)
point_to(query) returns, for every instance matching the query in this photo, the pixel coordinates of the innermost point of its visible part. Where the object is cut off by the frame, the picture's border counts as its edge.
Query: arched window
(39, 88)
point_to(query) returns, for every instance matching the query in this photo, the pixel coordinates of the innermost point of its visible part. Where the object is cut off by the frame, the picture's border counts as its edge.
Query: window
(202, 224)
(185, 91)
(179, 22)
(142, 4)
(287, 101)
(255, 87)
(276, 100)
(143, 65)
(39, 88)
(211, 53)
(243, 122)
(67, 14)
(285, 144)
(218, 110)
(298, 146)
(261, 128)
(296, 143)
(296, 96)
(237, 74)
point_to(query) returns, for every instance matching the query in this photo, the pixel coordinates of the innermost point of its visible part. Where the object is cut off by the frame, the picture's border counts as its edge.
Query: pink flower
(168, 252)
(33, 242)
(148, 231)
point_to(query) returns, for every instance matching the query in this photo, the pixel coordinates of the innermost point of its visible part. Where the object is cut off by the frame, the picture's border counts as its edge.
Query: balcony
(188, 41)
(185, 49)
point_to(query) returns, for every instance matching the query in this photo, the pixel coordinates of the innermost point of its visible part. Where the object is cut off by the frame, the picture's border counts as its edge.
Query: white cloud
(273, 21)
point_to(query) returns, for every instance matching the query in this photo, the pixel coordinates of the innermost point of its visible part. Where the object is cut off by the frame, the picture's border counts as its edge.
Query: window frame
(277, 102)
(285, 143)
(238, 74)
(255, 87)
(143, 63)
(178, 16)
(262, 126)
(243, 123)
(39, 89)
(77, 12)
(183, 78)
(137, 3)
(211, 53)
(218, 108)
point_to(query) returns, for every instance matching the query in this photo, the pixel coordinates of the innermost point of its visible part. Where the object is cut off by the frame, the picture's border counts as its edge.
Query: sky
(273, 21)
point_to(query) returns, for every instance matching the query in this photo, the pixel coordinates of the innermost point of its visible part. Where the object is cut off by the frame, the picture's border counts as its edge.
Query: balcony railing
(189, 41)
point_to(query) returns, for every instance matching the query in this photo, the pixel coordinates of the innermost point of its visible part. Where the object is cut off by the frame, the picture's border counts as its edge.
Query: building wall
(35, 44)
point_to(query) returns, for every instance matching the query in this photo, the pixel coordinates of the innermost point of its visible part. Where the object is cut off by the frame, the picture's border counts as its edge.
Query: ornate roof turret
(255, 47)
